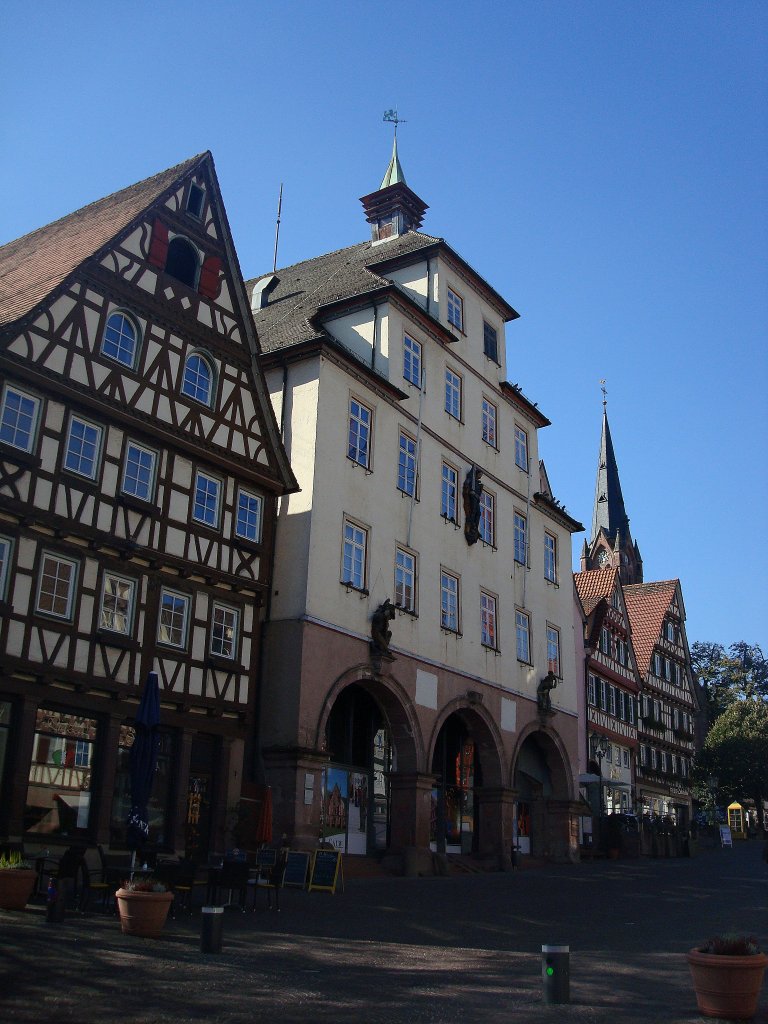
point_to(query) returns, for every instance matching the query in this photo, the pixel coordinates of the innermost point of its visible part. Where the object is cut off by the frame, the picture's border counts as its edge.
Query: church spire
(393, 208)
(394, 175)
(611, 541)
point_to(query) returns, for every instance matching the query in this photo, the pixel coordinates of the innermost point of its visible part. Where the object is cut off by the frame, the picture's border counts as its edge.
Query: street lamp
(712, 783)
(599, 745)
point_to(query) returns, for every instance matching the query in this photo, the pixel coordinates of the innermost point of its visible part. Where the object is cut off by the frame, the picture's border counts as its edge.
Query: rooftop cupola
(394, 208)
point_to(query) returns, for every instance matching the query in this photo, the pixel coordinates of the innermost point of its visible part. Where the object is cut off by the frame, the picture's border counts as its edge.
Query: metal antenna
(277, 226)
(391, 115)
(605, 393)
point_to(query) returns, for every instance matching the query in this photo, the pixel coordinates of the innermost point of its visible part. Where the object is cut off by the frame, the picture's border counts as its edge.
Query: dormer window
(195, 200)
(182, 262)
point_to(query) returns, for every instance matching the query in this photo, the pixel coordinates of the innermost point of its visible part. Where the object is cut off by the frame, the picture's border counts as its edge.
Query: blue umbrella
(143, 762)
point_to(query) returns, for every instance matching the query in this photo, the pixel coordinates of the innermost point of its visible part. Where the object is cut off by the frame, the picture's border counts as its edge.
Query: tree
(736, 751)
(727, 676)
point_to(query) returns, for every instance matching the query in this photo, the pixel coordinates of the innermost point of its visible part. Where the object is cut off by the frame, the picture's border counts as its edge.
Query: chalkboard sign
(725, 836)
(326, 868)
(266, 858)
(296, 868)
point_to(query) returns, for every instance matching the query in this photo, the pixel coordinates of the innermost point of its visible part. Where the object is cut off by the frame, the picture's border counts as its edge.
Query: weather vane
(605, 392)
(391, 115)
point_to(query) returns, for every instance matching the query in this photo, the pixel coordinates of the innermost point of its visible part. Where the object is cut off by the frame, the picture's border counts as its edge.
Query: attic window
(182, 261)
(195, 200)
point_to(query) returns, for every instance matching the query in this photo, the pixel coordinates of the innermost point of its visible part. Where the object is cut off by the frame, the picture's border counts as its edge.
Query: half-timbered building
(140, 465)
(612, 685)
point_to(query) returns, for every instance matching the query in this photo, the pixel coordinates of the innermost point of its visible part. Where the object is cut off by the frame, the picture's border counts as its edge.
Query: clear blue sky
(602, 164)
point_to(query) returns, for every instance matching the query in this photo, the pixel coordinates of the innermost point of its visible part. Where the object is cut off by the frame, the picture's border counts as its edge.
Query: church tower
(394, 208)
(611, 542)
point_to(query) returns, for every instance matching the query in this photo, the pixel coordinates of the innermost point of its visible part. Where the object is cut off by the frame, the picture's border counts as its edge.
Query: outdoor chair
(270, 867)
(95, 878)
(233, 875)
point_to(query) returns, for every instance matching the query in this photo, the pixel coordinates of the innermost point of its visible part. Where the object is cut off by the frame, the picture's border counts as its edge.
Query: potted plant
(143, 906)
(727, 976)
(17, 881)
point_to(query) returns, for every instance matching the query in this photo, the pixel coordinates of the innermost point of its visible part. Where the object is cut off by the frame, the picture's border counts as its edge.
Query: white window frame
(489, 328)
(455, 308)
(49, 560)
(118, 340)
(489, 636)
(553, 650)
(249, 532)
(6, 554)
(449, 493)
(9, 419)
(405, 579)
(117, 606)
(520, 538)
(521, 448)
(94, 435)
(487, 524)
(190, 388)
(177, 627)
(210, 487)
(453, 394)
(407, 464)
(490, 417)
(550, 557)
(612, 700)
(603, 695)
(354, 554)
(225, 631)
(592, 690)
(630, 709)
(449, 601)
(412, 356)
(523, 636)
(141, 450)
(605, 640)
(359, 433)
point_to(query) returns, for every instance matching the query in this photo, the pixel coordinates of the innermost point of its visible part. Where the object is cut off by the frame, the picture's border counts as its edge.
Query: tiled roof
(647, 604)
(594, 586)
(303, 287)
(33, 266)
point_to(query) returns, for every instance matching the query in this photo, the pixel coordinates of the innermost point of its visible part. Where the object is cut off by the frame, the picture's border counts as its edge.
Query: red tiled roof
(33, 266)
(594, 585)
(647, 604)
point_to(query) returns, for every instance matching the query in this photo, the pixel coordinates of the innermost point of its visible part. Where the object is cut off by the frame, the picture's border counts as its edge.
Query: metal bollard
(556, 973)
(211, 929)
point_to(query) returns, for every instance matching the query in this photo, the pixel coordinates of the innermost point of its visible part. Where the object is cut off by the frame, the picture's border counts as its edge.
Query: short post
(556, 973)
(211, 929)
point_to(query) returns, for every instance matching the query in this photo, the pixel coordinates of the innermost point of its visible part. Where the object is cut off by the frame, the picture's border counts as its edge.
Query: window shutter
(158, 247)
(209, 277)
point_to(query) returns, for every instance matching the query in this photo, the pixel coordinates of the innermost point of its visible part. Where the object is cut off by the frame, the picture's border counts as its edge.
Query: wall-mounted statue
(544, 691)
(381, 634)
(471, 492)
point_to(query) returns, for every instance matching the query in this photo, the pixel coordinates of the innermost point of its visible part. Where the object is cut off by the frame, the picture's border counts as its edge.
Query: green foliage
(726, 676)
(736, 751)
(13, 860)
(150, 884)
(731, 944)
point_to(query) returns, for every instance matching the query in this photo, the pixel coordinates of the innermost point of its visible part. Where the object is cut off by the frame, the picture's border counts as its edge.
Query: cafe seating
(233, 876)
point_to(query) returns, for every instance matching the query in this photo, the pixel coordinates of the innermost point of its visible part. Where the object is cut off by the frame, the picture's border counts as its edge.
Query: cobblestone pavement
(403, 951)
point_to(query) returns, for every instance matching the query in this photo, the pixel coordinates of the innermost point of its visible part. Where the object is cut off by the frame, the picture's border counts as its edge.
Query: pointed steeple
(394, 208)
(611, 541)
(394, 175)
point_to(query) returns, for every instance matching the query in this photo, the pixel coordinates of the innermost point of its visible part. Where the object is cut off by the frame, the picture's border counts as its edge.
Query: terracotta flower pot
(143, 913)
(727, 986)
(16, 885)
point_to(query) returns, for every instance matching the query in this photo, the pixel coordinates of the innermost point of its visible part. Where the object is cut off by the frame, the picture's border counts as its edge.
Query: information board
(326, 871)
(296, 868)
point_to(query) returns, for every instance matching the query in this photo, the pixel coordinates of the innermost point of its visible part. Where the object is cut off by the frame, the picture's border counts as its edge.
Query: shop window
(60, 774)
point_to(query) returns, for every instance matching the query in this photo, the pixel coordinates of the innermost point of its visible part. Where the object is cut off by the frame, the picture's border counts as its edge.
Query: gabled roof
(647, 604)
(31, 267)
(594, 586)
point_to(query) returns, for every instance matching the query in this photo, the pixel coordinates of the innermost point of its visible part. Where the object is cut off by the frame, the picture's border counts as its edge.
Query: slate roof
(609, 512)
(594, 586)
(31, 267)
(647, 604)
(303, 287)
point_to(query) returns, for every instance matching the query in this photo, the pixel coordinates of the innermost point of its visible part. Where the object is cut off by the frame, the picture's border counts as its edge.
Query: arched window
(120, 339)
(198, 379)
(182, 261)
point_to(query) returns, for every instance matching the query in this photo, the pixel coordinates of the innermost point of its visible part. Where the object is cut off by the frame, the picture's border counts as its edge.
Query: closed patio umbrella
(143, 763)
(263, 824)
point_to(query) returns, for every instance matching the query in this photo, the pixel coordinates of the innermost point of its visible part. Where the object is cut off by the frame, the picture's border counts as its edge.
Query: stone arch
(556, 756)
(393, 699)
(486, 733)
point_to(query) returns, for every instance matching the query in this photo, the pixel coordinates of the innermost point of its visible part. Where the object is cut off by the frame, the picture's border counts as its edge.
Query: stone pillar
(296, 777)
(411, 809)
(495, 823)
(562, 830)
